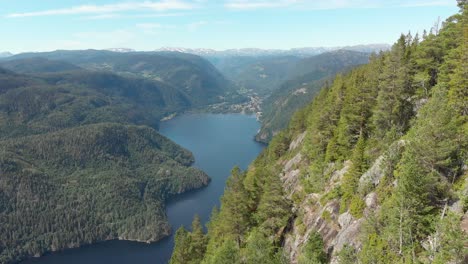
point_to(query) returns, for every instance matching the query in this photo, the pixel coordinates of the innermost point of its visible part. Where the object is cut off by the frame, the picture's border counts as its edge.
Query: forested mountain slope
(80, 159)
(304, 80)
(261, 75)
(53, 101)
(190, 74)
(87, 184)
(37, 65)
(374, 170)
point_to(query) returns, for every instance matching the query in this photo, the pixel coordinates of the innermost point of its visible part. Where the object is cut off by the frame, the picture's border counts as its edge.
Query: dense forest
(80, 158)
(87, 184)
(373, 170)
(188, 74)
(302, 84)
(284, 83)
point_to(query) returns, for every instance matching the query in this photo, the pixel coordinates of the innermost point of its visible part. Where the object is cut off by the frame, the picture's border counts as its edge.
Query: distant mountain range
(121, 50)
(5, 54)
(197, 79)
(301, 52)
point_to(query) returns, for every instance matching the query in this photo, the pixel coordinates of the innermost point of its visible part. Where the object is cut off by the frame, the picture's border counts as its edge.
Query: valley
(337, 153)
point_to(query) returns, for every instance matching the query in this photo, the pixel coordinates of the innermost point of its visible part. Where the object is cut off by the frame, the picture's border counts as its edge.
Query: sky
(44, 25)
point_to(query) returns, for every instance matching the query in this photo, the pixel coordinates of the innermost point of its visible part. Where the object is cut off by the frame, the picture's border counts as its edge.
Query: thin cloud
(152, 26)
(428, 3)
(119, 16)
(241, 4)
(164, 5)
(196, 25)
(330, 4)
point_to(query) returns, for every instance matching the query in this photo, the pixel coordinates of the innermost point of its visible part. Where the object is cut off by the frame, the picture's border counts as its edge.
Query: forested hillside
(80, 159)
(88, 184)
(38, 65)
(373, 170)
(304, 81)
(284, 84)
(53, 101)
(189, 74)
(260, 75)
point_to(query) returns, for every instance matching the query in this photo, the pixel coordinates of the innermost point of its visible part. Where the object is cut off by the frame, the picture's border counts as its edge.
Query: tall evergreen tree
(197, 241)
(394, 110)
(181, 253)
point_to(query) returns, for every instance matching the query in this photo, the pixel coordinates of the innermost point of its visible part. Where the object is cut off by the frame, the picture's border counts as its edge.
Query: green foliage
(300, 86)
(407, 105)
(393, 108)
(273, 211)
(351, 178)
(313, 251)
(227, 253)
(87, 184)
(181, 253)
(333, 194)
(188, 74)
(347, 255)
(326, 216)
(259, 249)
(278, 146)
(450, 241)
(189, 246)
(74, 167)
(198, 241)
(234, 216)
(356, 206)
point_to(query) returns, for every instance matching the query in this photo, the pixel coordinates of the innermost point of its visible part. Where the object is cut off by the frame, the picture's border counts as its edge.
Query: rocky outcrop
(295, 143)
(337, 175)
(374, 174)
(290, 176)
(314, 215)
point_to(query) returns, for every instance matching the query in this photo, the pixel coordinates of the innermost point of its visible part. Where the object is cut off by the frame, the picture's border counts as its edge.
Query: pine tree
(351, 178)
(181, 253)
(226, 253)
(234, 213)
(197, 241)
(394, 110)
(259, 249)
(274, 208)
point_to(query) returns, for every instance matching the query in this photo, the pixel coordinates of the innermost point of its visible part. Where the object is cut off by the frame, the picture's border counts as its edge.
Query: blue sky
(41, 25)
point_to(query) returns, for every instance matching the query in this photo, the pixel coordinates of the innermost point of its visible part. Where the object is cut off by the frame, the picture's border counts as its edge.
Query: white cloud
(244, 4)
(429, 3)
(163, 5)
(149, 26)
(119, 16)
(331, 4)
(102, 16)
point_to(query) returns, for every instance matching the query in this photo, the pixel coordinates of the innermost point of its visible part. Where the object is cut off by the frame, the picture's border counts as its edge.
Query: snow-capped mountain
(255, 52)
(121, 50)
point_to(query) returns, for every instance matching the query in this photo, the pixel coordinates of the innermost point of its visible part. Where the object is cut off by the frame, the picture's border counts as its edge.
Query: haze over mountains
(267, 74)
(301, 52)
(5, 54)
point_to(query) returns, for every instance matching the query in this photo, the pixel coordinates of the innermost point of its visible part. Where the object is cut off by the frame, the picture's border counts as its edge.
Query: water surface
(218, 142)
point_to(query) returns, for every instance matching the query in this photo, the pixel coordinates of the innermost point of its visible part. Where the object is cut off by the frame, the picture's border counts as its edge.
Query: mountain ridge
(302, 52)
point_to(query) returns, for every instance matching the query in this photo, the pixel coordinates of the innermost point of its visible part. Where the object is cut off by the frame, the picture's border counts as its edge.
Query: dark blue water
(218, 142)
